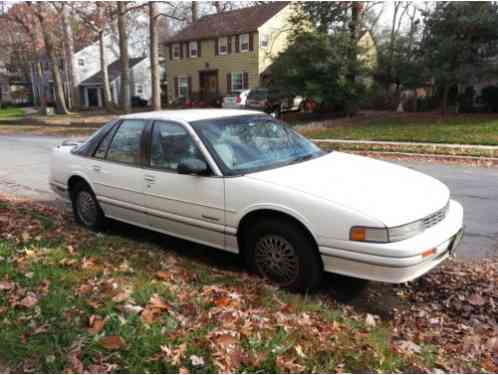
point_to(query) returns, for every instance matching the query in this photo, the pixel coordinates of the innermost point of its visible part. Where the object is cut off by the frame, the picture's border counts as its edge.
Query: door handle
(150, 179)
(96, 168)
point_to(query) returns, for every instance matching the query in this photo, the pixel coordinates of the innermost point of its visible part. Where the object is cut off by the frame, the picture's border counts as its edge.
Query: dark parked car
(137, 101)
(273, 102)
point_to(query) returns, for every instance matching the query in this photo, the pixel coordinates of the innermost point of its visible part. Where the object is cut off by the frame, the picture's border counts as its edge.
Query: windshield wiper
(302, 158)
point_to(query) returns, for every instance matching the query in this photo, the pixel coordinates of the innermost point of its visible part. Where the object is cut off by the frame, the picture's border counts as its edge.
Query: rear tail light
(238, 100)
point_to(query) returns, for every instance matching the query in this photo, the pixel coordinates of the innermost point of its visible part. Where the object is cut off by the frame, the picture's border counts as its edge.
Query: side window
(125, 146)
(104, 145)
(171, 144)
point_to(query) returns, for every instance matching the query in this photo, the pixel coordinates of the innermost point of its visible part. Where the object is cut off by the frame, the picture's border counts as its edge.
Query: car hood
(387, 192)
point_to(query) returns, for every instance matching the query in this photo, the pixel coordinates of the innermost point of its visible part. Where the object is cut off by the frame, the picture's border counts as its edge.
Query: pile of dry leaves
(454, 308)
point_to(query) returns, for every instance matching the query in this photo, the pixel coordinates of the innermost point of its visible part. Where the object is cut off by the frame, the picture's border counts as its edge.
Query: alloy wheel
(87, 208)
(276, 259)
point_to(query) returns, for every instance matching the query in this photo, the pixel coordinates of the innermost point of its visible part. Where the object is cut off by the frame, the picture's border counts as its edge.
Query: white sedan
(246, 183)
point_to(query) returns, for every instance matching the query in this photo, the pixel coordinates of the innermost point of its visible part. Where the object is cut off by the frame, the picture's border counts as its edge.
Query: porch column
(85, 97)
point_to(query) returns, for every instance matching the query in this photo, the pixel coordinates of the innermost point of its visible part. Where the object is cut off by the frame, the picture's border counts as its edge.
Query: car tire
(284, 253)
(86, 208)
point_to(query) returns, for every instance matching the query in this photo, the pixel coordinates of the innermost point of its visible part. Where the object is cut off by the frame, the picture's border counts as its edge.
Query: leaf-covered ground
(133, 301)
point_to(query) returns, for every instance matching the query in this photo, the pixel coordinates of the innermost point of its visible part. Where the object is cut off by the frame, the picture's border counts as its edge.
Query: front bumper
(396, 262)
(60, 191)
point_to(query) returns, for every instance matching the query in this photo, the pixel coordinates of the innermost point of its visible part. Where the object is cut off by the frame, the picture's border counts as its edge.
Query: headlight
(369, 234)
(384, 235)
(405, 231)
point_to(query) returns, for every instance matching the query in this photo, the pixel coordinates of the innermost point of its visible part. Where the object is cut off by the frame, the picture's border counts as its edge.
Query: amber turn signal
(358, 234)
(429, 253)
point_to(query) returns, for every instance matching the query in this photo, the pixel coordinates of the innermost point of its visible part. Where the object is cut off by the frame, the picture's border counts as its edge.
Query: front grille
(436, 217)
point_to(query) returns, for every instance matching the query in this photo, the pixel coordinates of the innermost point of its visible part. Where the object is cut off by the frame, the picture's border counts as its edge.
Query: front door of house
(208, 81)
(93, 97)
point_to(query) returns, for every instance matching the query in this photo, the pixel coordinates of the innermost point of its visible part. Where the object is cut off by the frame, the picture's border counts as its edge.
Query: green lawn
(463, 129)
(11, 112)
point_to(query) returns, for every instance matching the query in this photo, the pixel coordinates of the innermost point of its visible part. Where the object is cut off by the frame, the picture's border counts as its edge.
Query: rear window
(258, 94)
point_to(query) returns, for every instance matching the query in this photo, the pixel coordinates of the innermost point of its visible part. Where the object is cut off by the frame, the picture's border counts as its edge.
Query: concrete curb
(410, 147)
(473, 160)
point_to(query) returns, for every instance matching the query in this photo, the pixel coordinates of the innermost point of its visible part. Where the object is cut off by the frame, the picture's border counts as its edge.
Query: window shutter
(237, 44)
(199, 48)
(181, 51)
(229, 44)
(245, 80)
(177, 91)
(188, 49)
(216, 47)
(229, 82)
(189, 87)
(171, 52)
(251, 41)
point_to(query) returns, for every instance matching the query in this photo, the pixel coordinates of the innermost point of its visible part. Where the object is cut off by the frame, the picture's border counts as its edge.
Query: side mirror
(193, 166)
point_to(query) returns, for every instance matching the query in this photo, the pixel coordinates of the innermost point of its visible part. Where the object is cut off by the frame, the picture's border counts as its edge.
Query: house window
(237, 81)
(139, 89)
(176, 51)
(222, 46)
(244, 43)
(193, 49)
(265, 40)
(183, 87)
(81, 62)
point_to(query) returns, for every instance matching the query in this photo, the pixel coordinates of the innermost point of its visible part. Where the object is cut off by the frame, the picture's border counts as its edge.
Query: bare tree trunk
(60, 100)
(125, 98)
(42, 92)
(218, 7)
(106, 86)
(195, 11)
(353, 54)
(154, 55)
(69, 52)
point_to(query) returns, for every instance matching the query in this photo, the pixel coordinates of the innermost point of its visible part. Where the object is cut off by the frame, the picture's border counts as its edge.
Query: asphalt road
(24, 170)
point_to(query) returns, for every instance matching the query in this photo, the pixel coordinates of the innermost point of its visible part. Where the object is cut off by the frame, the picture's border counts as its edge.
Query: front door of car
(117, 174)
(186, 206)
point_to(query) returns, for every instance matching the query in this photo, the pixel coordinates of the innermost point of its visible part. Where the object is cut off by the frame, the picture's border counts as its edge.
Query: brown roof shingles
(233, 22)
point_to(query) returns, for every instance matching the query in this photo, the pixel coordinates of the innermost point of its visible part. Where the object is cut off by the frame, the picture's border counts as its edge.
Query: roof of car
(189, 115)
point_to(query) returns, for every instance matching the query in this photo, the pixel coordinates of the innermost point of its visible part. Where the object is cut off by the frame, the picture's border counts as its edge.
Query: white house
(88, 73)
(140, 82)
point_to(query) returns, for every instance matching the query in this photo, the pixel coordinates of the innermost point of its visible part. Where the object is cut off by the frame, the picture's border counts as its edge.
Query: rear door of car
(116, 171)
(186, 206)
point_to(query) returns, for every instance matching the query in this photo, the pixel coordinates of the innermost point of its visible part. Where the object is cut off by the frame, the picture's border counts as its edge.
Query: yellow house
(229, 51)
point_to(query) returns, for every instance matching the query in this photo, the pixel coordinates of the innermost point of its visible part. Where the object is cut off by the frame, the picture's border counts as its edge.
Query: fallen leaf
(477, 300)
(162, 275)
(370, 320)
(156, 302)
(121, 296)
(95, 324)
(196, 360)
(6, 285)
(112, 342)
(29, 301)
(132, 309)
(288, 365)
(299, 351)
(25, 236)
(407, 346)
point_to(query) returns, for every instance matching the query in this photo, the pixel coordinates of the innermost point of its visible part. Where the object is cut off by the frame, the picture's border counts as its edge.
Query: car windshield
(245, 144)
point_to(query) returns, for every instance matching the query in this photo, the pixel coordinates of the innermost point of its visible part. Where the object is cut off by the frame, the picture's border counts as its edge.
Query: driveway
(24, 170)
